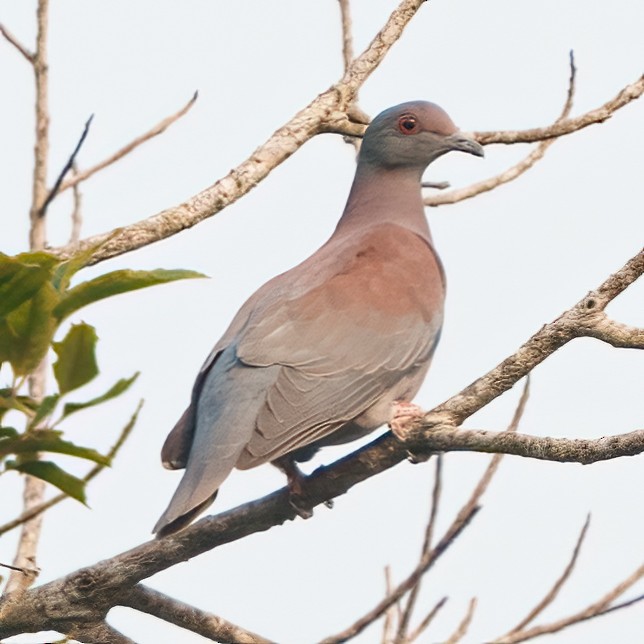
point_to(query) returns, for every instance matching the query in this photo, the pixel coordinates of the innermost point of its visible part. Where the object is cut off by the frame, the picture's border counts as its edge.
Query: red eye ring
(408, 124)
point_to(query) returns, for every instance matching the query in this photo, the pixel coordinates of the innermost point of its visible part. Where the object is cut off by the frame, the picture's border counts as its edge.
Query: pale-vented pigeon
(318, 355)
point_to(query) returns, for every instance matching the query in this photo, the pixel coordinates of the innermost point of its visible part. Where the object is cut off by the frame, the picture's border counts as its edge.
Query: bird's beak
(460, 141)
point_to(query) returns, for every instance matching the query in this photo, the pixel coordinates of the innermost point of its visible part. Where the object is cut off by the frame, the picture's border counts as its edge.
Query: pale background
(515, 259)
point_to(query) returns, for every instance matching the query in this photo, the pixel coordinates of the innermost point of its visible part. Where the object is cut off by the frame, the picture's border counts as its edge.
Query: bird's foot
(296, 494)
(403, 414)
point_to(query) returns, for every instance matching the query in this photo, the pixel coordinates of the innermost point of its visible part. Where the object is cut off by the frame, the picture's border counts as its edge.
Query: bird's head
(413, 135)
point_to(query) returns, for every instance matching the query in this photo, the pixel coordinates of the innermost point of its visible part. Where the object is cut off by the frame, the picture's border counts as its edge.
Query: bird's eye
(408, 124)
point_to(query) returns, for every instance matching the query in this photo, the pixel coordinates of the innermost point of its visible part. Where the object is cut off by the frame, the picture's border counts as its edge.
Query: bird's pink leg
(402, 414)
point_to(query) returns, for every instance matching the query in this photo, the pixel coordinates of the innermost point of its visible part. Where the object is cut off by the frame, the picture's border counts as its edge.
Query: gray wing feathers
(227, 408)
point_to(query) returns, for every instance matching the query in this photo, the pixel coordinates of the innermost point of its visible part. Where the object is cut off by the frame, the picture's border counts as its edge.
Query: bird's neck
(385, 196)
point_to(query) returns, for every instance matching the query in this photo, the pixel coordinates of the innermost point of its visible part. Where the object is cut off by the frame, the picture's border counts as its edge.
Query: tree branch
(454, 196)
(34, 488)
(95, 471)
(17, 44)
(159, 128)
(171, 610)
(560, 128)
(97, 587)
(67, 167)
(326, 113)
(461, 629)
(600, 607)
(557, 586)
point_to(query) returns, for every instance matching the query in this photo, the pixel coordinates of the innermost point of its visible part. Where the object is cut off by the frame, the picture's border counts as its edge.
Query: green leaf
(115, 283)
(19, 281)
(76, 364)
(67, 269)
(7, 432)
(44, 409)
(8, 401)
(116, 390)
(26, 332)
(50, 472)
(48, 440)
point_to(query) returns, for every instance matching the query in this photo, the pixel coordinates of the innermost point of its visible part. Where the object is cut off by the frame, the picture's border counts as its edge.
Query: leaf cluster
(36, 297)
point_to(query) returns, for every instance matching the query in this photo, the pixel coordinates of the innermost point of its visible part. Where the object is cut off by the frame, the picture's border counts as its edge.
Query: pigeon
(321, 354)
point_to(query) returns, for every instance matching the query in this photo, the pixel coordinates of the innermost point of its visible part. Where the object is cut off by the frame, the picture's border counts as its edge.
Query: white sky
(515, 259)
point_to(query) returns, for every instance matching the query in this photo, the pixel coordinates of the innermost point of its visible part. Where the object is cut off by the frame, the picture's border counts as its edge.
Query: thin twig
(17, 44)
(427, 620)
(435, 185)
(468, 512)
(557, 586)
(428, 558)
(392, 613)
(97, 469)
(171, 610)
(347, 36)
(516, 170)
(461, 629)
(159, 128)
(631, 92)
(77, 212)
(66, 168)
(598, 608)
(403, 624)
(24, 571)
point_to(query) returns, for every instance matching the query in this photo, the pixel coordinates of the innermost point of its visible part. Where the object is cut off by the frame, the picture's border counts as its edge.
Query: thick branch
(98, 587)
(34, 489)
(171, 610)
(326, 113)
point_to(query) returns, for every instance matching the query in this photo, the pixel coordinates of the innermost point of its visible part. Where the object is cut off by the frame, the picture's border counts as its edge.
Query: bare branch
(99, 631)
(435, 185)
(326, 113)
(567, 126)
(171, 610)
(95, 471)
(34, 488)
(403, 624)
(429, 556)
(41, 149)
(461, 630)
(558, 585)
(575, 322)
(159, 128)
(543, 448)
(67, 167)
(100, 581)
(24, 571)
(347, 37)
(393, 613)
(17, 44)
(615, 333)
(600, 607)
(422, 627)
(77, 212)
(460, 523)
(516, 170)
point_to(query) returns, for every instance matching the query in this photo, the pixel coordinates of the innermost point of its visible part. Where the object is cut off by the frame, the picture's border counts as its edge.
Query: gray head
(413, 135)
